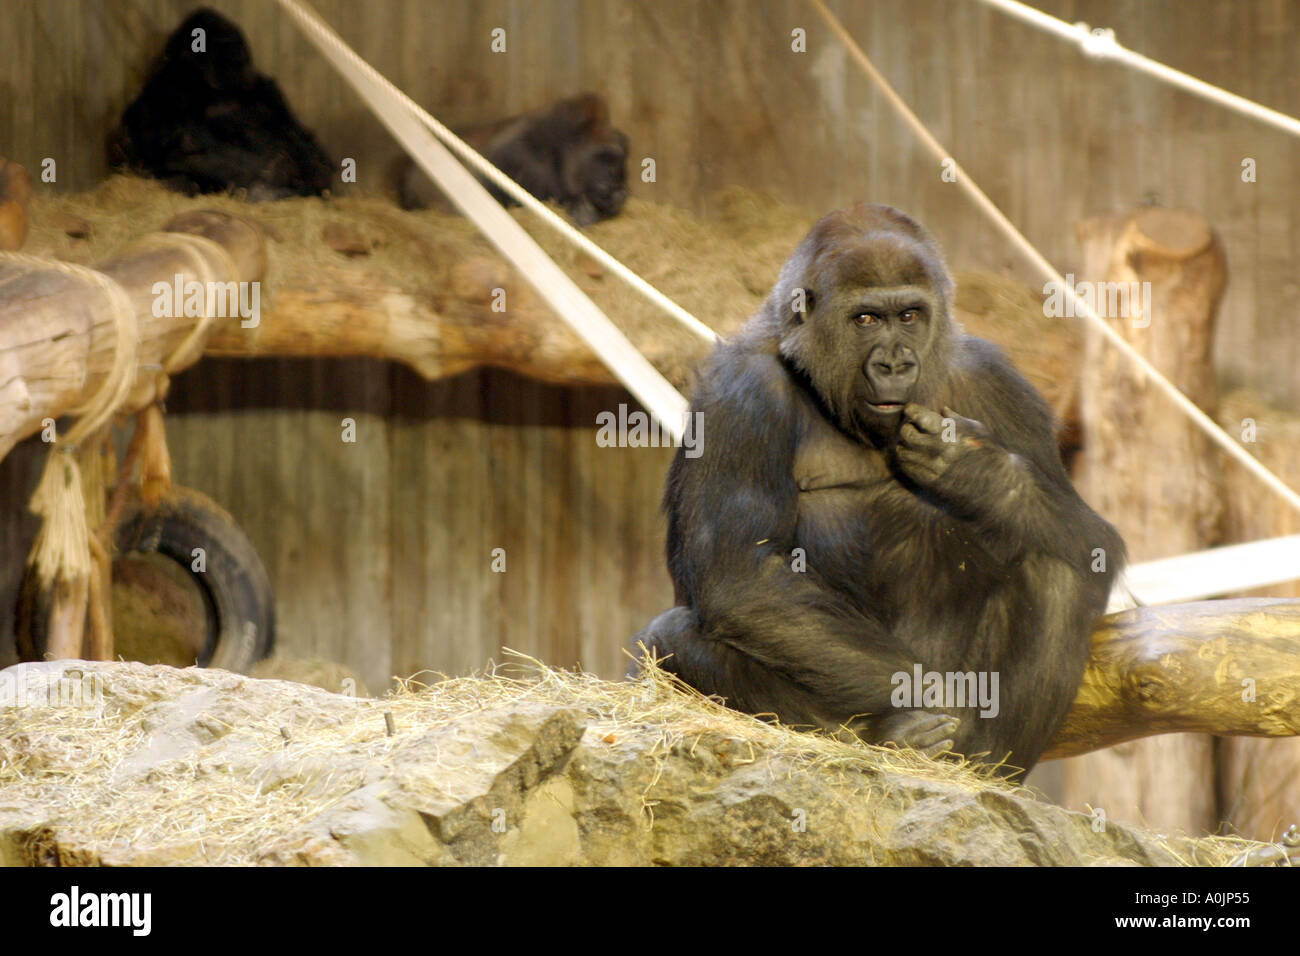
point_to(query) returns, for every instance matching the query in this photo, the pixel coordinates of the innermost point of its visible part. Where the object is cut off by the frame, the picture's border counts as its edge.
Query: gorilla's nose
(892, 372)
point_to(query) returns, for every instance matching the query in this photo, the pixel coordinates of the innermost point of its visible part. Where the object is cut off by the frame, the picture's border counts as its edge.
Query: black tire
(234, 584)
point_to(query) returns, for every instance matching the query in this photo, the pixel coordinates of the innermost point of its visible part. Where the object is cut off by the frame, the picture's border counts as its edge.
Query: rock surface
(127, 764)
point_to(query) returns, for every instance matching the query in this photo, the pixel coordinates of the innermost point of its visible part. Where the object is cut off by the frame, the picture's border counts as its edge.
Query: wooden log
(1210, 667)
(15, 194)
(56, 330)
(1259, 780)
(1150, 471)
(485, 315)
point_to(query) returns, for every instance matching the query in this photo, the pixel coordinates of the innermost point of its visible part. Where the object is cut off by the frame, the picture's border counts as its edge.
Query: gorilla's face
(225, 62)
(891, 334)
(596, 172)
(874, 321)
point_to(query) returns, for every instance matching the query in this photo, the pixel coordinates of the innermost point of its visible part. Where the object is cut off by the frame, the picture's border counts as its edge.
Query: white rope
(1048, 271)
(1101, 44)
(563, 295)
(200, 250)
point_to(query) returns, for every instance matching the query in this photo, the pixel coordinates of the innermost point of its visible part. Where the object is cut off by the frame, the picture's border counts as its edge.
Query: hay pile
(523, 764)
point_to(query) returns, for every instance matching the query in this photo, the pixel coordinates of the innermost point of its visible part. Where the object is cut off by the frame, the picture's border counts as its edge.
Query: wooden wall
(380, 550)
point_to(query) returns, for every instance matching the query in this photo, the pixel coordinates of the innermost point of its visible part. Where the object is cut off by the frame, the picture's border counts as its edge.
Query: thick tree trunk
(1259, 780)
(1150, 472)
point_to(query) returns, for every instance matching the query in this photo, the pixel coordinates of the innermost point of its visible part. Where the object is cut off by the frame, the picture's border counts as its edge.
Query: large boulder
(128, 764)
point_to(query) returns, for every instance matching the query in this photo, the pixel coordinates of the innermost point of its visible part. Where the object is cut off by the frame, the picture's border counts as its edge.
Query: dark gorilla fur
(209, 122)
(824, 430)
(569, 153)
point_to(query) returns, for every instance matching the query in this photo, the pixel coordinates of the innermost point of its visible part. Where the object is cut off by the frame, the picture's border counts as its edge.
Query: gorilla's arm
(1003, 471)
(733, 514)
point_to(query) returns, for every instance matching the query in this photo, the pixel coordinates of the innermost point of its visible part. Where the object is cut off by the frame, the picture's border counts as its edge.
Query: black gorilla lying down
(882, 498)
(569, 153)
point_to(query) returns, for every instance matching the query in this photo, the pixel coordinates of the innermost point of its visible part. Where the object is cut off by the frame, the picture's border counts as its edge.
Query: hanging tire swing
(188, 582)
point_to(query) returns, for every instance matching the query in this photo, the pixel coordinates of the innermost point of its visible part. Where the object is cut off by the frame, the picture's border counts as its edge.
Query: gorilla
(207, 121)
(569, 153)
(882, 500)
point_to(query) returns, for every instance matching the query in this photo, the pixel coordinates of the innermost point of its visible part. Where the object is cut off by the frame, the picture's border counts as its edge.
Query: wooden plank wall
(380, 549)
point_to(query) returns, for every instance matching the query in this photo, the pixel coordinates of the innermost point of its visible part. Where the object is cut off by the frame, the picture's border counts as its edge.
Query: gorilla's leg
(716, 668)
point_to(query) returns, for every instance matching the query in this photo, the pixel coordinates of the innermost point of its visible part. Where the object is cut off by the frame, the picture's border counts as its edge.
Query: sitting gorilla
(569, 153)
(206, 121)
(882, 497)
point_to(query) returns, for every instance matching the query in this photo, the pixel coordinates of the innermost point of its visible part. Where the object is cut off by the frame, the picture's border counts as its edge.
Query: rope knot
(1097, 42)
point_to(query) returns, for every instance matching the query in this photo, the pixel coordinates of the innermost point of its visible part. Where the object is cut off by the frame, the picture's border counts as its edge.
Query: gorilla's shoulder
(996, 389)
(983, 360)
(747, 370)
(974, 353)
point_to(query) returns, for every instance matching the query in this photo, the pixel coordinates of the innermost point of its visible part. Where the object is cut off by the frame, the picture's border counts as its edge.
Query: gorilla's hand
(948, 455)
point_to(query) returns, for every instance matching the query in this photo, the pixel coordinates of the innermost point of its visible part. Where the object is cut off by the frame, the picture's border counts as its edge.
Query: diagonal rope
(1048, 271)
(1101, 44)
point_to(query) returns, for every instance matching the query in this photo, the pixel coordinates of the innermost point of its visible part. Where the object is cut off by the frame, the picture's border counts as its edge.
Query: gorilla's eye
(911, 315)
(864, 318)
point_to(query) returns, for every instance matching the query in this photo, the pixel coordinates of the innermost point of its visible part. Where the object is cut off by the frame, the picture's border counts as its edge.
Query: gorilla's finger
(928, 735)
(920, 730)
(925, 418)
(909, 434)
(939, 749)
